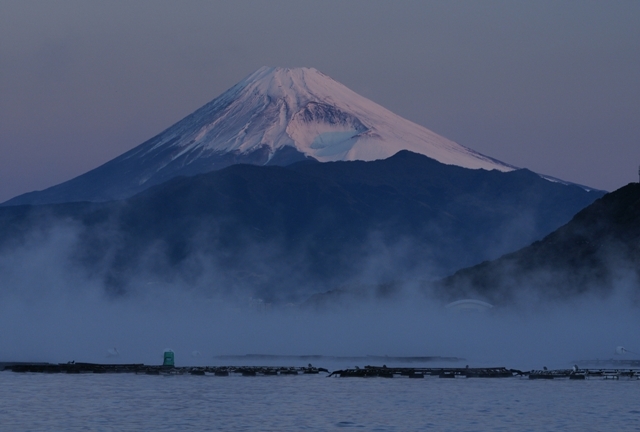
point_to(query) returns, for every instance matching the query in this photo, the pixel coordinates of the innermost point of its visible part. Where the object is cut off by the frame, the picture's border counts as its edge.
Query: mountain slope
(598, 250)
(275, 116)
(280, 231)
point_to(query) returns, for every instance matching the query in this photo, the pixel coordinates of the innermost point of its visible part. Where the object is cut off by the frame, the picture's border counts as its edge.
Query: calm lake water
(114, 402)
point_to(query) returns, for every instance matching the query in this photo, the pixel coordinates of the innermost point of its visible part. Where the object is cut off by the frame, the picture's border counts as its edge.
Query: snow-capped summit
(274, 116)
(304, 109)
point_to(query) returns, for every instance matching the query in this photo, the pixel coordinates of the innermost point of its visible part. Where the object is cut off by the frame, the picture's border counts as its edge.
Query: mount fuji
(275, 116)
(287, 184)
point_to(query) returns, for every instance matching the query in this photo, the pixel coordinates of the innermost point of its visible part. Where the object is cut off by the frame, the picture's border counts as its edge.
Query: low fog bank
(53, 311)
(84, 326)
(509, 282)
(68, 324)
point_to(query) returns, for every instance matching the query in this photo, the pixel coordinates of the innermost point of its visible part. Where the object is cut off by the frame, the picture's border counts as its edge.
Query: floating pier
(365, 372)
(79, 368)
(582, 374)
(390, 372)
(488, 372)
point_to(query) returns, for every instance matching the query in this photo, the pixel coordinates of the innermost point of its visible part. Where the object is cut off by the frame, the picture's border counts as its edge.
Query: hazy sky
(547, 85)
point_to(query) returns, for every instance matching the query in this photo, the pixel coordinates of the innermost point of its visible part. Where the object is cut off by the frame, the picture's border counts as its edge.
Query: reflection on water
(311, 402)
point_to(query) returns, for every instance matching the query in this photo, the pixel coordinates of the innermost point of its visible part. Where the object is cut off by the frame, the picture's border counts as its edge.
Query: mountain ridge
(307, 226)
(598, 250)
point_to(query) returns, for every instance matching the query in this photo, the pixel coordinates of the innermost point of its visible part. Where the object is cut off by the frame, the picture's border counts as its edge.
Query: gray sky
(547, 85)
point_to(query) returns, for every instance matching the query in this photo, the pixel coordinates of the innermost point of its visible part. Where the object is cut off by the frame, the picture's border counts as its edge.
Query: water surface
(114, 402)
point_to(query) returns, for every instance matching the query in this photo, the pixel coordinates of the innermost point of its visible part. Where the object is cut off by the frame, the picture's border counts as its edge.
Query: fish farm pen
(365, 372)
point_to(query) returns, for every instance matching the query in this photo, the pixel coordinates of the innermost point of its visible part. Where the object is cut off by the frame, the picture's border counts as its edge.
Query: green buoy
(168, 358)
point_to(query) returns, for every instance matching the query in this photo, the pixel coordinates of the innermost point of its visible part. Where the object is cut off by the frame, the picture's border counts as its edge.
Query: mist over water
(53, 311)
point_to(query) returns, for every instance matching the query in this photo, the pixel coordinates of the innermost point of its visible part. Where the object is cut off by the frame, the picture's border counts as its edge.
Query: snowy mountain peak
(301, 108)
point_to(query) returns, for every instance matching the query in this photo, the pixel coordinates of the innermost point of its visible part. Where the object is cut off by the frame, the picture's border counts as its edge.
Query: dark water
(116, 402)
